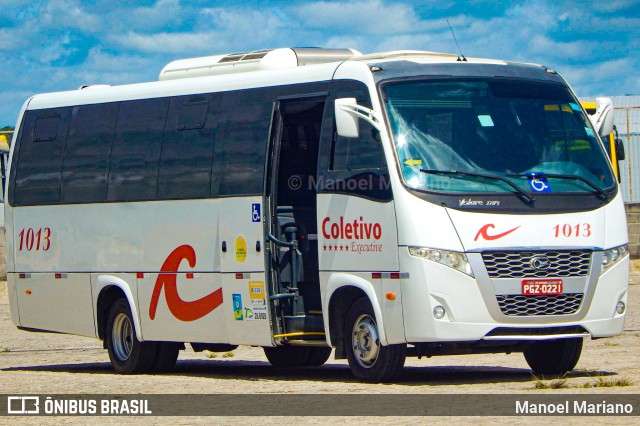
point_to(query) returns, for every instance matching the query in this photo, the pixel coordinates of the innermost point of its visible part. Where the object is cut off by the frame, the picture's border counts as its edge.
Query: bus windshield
(489, 135)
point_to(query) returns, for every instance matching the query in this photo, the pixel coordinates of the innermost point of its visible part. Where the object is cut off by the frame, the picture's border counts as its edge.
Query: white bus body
(386, 205)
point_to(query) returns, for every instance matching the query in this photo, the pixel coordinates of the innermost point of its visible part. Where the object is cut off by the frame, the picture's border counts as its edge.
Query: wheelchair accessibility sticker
(255, 213)
(539, 183)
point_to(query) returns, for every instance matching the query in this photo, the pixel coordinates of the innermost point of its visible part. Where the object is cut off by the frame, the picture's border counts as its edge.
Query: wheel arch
(342, 291)
(109, 289)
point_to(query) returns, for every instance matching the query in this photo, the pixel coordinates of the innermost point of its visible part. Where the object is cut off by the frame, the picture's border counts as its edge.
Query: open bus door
(291, 231)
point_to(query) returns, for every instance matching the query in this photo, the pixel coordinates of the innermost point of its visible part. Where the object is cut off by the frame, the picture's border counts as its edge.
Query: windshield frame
(501, 201)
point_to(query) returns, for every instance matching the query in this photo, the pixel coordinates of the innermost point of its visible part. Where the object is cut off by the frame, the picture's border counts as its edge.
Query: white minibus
(308, 200)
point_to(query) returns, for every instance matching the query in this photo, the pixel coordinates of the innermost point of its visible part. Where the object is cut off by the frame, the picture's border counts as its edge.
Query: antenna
(461, 57)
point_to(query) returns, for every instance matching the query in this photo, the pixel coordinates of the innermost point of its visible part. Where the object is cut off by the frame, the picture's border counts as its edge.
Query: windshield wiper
(519, 192)
(597, 190)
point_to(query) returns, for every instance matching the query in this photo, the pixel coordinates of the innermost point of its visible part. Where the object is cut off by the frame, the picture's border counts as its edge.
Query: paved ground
(57, 364)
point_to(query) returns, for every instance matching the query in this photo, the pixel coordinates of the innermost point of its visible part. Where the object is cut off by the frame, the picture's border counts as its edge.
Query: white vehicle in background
(5, 138)
(385, 205)
(601, 115)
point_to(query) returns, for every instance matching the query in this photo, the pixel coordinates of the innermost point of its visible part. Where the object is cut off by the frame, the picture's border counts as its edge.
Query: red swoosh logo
(485, 235)
(182, 310)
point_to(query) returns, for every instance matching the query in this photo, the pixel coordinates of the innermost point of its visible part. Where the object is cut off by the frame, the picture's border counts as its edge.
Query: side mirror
(620, 154)
(346, 122)
(602, 120)
(348, 113)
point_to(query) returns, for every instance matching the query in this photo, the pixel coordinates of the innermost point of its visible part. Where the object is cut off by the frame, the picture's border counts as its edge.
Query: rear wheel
(287, 356)
(317, 356)
(369, 360)
(128, 355)
(166, 356)
(554, 356)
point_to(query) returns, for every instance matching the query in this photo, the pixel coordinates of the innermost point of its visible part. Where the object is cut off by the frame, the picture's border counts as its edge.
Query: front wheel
(128, 355)
(554, 356)
(369, 360)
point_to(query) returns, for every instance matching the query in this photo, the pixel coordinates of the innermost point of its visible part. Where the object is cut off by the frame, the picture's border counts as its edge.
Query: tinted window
(239, 157)
(136, 150)
(46, 128)
(355, 166)
(187, 149)
(193, 146)
(192, 113)
(39, 162)
(363, 152)
(85, 170)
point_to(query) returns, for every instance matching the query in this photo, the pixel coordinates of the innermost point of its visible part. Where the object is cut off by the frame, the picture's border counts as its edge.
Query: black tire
(166, 356)
(554, 356)
(369, 360)
(287, 356)
(128, 355)
(317, 356)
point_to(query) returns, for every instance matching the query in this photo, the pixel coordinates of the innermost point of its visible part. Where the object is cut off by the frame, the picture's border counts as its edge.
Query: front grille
(504, 264)
(524, 306)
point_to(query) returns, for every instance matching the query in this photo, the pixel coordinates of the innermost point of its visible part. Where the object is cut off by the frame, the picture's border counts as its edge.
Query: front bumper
(473, 312)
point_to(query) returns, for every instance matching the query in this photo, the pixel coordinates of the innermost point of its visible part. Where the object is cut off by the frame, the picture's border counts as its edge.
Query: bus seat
(287, 227)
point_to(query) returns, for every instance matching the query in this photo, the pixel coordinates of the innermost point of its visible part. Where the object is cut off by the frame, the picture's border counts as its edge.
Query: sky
(54, 45)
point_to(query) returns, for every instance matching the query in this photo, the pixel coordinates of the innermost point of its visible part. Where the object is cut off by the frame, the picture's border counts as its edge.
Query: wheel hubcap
(365, 341)
(122, 337)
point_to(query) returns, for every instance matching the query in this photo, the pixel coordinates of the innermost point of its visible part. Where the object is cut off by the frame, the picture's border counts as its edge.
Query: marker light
(452, 259)
(613, 255)
(620, 308)
(438, 312)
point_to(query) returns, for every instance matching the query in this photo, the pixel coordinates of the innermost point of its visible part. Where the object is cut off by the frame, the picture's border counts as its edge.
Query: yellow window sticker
(241, 249)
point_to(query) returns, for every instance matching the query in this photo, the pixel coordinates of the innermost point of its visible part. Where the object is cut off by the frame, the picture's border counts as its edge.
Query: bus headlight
(452, 259)
(613, 255)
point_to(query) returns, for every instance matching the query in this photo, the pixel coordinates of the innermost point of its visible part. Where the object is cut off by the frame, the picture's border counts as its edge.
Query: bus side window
(187, 148)
(136, 150)
(364, 152)
(38, 174)
(238, 165)
(85, 169)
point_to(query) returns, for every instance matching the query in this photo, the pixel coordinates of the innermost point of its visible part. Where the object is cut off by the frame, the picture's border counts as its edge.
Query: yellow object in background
(4, 143)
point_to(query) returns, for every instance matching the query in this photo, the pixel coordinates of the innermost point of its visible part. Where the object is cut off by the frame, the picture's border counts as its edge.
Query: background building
(627, 122)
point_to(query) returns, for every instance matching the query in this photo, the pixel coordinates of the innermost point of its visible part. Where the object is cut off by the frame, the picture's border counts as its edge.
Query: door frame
(270, 198)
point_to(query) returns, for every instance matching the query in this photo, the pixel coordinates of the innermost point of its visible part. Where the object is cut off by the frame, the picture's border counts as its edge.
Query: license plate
(541, 287)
